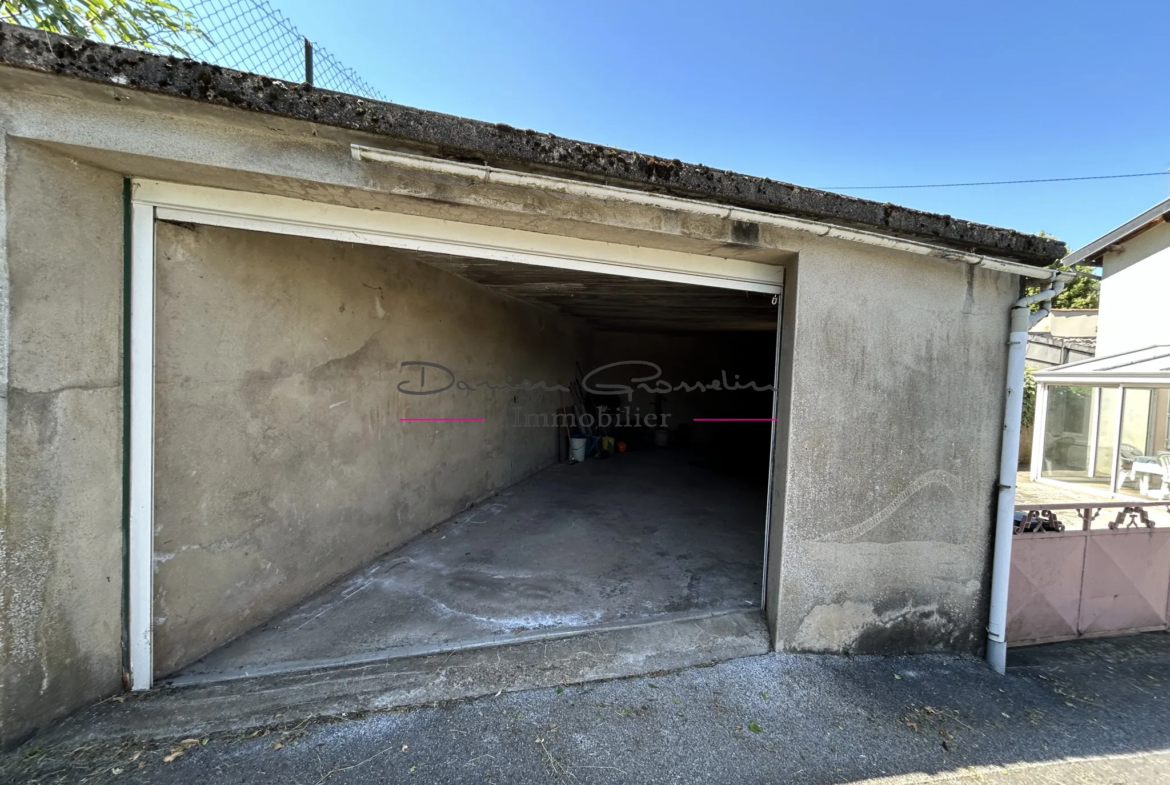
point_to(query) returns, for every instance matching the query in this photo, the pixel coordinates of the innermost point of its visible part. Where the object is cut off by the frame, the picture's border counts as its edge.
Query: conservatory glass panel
(1066, 433)
(1136, 434)
(1106, 432)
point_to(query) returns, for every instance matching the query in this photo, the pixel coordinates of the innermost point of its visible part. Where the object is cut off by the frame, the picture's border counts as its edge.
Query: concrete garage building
(235, 311)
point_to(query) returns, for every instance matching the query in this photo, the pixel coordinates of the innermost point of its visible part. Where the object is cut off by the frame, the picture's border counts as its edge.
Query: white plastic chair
(1164, 462)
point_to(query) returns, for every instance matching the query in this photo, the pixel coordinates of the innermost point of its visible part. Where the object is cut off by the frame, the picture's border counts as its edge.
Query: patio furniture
(1164, 463)
(1142, 469)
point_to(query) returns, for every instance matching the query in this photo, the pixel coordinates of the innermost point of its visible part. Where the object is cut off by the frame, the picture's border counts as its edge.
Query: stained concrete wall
(873, 402)
(61, 534)
(281, 463)
(890, 431)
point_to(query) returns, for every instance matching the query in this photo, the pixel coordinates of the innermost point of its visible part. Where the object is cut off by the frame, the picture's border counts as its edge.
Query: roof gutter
(488, 174)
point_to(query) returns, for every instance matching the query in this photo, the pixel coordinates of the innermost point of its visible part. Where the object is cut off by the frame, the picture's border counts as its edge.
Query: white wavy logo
(934, 477)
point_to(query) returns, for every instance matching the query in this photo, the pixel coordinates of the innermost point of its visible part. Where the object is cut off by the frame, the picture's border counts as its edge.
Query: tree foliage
(1028, 416)
(1081, 292)
(146, 24)
(1084, 291)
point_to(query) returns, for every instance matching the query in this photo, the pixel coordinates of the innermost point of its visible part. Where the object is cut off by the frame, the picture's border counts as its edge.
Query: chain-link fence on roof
(251, 35)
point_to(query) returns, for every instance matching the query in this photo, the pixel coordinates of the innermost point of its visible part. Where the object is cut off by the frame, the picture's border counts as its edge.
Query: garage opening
(363, 453)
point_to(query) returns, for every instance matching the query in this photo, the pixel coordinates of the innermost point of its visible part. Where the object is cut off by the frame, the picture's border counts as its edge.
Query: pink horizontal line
(440, 419)
(735, 419)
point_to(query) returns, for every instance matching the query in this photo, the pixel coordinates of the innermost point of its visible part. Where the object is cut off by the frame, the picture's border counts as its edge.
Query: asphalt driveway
(1092, 711)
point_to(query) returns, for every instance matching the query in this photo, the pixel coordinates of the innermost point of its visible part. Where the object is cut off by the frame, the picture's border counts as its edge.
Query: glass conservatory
(1104, 424)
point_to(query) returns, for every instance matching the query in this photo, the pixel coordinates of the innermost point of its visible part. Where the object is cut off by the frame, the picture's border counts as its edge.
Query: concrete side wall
(1068, 323)
(1073, 324)
(1133, 294)
(882, 513)
(61, 537)
(281, 463)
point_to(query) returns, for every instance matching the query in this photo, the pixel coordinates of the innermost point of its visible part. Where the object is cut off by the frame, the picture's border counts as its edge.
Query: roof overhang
(1157, 214)
(1148, 367)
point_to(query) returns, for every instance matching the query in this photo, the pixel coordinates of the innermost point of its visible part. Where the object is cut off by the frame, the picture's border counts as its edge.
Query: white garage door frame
(153, 200)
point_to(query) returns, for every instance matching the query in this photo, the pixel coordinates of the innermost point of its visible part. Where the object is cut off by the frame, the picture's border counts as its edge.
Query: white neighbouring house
(1104, 423)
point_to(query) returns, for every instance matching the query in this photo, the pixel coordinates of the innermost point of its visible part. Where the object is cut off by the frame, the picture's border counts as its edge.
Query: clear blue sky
(823, 94)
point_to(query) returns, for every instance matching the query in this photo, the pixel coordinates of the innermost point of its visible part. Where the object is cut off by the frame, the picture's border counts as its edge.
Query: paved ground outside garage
(1093, 711)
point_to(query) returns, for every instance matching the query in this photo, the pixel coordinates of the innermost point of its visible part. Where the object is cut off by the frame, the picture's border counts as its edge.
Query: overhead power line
(994, 182)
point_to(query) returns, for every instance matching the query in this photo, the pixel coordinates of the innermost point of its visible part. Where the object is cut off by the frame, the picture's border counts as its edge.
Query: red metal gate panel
(1045, 586)
(1070, 584)
(1127, 575)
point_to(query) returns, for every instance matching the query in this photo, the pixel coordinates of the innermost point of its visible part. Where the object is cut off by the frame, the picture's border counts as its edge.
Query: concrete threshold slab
(185, 679)
(469, 672)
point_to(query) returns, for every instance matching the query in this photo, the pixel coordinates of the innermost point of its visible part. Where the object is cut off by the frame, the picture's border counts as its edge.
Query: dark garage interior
(473, 525)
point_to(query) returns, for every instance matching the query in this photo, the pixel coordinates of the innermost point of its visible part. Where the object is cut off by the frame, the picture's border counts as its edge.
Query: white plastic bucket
(577, 446)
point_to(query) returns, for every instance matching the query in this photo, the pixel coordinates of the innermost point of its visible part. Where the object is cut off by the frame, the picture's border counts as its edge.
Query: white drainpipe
(1022, 319)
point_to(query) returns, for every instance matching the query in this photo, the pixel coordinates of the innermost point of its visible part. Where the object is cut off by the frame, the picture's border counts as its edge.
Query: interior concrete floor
(641, 537)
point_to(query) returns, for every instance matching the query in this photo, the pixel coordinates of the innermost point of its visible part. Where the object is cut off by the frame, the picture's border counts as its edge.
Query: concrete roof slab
(496, 144)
